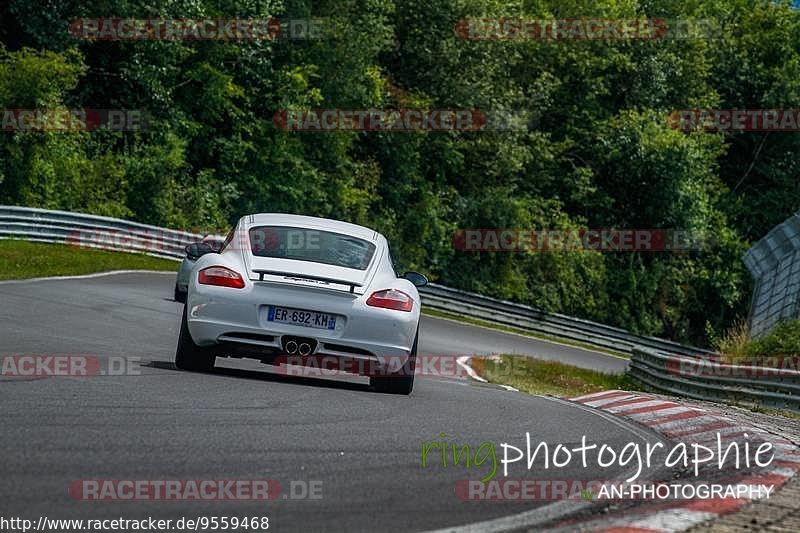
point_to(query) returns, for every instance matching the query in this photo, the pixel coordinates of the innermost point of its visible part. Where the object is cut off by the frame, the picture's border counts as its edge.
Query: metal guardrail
(711, 380)
(92, 231)
(550, 324)
(660, 364)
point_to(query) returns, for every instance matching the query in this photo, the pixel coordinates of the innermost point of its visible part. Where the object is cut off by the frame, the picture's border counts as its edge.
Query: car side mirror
(416, 278)
(196, 250)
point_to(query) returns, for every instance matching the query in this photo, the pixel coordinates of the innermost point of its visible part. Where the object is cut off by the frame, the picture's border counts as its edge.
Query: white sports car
(303, 287)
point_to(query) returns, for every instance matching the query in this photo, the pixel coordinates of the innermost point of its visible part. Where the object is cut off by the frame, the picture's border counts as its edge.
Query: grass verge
(23, 260)
(777, 348)
(775, 412)
(536, 376)
(477, 322)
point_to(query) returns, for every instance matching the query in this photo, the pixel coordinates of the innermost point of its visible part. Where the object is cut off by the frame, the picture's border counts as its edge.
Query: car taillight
(221, 277)
(391, 299)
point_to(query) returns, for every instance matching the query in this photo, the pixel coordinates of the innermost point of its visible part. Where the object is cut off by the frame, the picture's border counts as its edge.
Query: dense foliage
(784, 340)
(597, 150)
(738, 347)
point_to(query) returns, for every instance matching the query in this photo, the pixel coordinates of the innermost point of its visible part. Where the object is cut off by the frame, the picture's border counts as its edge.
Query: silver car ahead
(193, 253)
(288, 285)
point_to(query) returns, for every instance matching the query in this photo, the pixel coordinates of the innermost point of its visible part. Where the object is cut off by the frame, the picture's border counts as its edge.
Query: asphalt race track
(448, 337)
(246, 422)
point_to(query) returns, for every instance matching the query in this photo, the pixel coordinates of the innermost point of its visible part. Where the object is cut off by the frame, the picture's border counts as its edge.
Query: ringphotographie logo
(702, 463)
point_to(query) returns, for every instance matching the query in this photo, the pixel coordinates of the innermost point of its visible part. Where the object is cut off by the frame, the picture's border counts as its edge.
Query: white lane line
(463, 362)
(88, 276)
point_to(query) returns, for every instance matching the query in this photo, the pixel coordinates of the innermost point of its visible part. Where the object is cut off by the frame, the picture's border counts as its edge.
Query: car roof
(302, 221)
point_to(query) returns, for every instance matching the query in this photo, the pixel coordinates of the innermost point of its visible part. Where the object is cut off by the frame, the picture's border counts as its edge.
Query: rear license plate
(299, 317)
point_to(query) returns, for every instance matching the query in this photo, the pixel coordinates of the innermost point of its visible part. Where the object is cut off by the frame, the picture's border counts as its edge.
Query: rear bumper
(219, 315)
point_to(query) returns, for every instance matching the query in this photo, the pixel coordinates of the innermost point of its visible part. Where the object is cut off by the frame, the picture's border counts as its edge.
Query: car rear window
(304, 244)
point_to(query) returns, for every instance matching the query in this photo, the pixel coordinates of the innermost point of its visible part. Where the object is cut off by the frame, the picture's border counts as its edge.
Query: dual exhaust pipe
(299, 346)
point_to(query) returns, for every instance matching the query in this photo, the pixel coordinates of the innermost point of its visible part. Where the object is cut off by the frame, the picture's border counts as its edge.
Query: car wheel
(189, 356)
(179, 296)
(403, 382)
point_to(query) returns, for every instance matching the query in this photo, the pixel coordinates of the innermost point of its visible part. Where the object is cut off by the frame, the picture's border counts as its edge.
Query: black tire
(403, 382)
(189, 356)
(179, 295)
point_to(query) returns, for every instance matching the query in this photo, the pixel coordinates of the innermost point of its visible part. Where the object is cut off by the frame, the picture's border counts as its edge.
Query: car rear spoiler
(295, 275)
